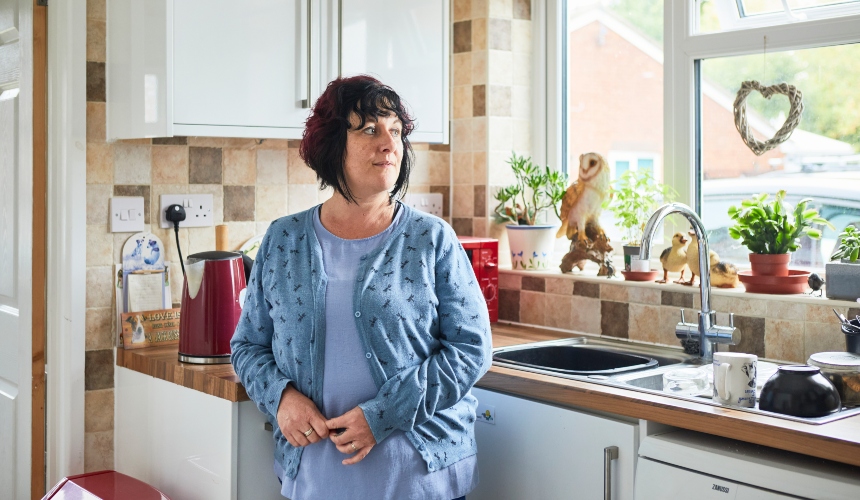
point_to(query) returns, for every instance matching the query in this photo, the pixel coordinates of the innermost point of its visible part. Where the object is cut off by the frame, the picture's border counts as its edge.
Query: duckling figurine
(674, 258)
(693, 259)
(724, 275)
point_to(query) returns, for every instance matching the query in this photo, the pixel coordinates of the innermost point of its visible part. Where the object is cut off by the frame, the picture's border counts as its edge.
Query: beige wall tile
(558, 310)
(95, 40)
(271, 202)
(98, 451)
(498, 170)
(207, 142)
(617, 293)
(420, 168)
(479, 134)
(462, 9)
(741, 306)
(522, 136)
(98, 203)
(778, 309)
(521, 36)
(479, 68)
(823, 314)
(500, 134)
(524, 67)
(503, 9)
(262, 227)
(479, 34)
(462, 168)
(499, 100)
(480, 227)
(99, 325)
(559, 286)
(95, 122)
(644, 295)
(299, 172)
(240, 167)
(532, 308)
(669, 317)
(271, 167)
(168, 239)
(499, 64)
(301, 197)
(98, 410)
(200, 239)
(783, 340)
(479, 170)
(99, 245)
(462, 68)
(132, 164)
(217, 192)
(96, 9)
(585, 314)
(240, 232)
(99, 163)
(510, 281)
(822, 337)
(463, 200)
(480, 8)
(99, 286)
(279, 144)
(439, 168)
(461, 135)
(170, 164)
(644, 323)
(521, 102)
(463, 101)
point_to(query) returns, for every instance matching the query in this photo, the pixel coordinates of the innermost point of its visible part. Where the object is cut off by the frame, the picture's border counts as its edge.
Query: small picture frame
(150, 328)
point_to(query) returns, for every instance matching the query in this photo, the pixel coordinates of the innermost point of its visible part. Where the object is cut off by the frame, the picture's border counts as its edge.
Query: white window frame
(730, 18)
(633, 157)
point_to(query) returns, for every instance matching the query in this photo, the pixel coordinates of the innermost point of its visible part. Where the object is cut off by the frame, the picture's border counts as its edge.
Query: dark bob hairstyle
(323, 145)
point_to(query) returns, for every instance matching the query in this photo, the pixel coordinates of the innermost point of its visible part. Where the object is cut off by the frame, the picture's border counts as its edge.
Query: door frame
(66, 239)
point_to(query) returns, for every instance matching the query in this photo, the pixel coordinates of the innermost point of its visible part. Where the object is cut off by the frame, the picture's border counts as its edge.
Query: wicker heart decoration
(795, 98)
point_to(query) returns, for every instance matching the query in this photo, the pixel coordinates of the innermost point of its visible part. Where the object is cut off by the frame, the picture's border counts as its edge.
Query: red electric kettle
(211, 305)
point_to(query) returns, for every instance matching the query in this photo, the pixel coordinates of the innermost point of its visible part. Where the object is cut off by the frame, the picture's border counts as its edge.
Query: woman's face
(373, 155)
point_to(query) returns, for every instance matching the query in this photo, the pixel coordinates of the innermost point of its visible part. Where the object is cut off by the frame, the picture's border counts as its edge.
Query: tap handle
(732, 320)
(682, 316)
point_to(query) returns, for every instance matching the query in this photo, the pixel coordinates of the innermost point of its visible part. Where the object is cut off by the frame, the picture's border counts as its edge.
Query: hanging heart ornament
(795, 99)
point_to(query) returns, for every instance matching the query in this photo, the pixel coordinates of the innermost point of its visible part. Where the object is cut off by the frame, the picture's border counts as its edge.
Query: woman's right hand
(296, 415)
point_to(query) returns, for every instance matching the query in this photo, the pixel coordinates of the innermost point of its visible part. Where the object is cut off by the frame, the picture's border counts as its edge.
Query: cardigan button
(357, 314)
(368, 355)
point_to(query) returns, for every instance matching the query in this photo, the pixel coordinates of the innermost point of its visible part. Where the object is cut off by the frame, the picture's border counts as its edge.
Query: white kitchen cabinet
(536, 450)
(405, 44)
(251, 68)
(191, 445)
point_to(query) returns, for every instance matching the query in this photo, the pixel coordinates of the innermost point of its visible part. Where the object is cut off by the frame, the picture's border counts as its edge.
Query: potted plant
(771, 230)
(523, 207)
(843, 273)
(635, 196)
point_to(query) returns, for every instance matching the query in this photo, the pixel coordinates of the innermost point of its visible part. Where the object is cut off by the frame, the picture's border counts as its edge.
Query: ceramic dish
(795, 282)
(640, 275)
(801, 391)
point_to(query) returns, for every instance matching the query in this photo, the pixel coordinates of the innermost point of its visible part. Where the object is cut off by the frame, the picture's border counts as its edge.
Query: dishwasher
(681, 464)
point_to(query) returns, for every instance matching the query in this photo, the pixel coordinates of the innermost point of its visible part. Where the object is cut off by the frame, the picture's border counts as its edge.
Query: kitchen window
(661, 78)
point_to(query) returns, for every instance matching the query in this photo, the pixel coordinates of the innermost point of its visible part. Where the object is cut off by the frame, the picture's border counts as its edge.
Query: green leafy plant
(849, 245)
(772, 227)
(536, 190)
(635, 196)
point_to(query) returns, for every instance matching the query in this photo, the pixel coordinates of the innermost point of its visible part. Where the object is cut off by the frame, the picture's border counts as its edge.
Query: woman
(364, 329)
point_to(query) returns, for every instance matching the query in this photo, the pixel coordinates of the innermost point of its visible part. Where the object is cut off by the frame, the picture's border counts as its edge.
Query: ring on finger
(308, 432)
(354, 449)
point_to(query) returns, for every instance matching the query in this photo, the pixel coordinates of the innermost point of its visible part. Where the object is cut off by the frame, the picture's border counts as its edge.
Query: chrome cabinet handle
(306, 103)
(610, 453)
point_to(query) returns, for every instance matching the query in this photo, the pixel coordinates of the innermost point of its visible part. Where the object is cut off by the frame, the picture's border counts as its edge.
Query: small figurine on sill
(815, 283)
(580, 212)
(723, 274)
(674, 258)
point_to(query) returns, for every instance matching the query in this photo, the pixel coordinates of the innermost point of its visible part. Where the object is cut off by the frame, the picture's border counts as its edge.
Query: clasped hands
(302, 424)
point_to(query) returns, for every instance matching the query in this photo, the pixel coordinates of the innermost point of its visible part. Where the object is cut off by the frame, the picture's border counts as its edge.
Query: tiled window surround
(782, 328)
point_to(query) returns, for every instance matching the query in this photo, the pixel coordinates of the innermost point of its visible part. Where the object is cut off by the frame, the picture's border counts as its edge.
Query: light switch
(126, 214)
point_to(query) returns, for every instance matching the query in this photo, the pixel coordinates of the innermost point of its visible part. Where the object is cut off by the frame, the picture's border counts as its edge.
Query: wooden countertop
(838, 441)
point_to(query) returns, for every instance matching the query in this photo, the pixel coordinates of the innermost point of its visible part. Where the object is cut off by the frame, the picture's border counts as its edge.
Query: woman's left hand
(356, 438)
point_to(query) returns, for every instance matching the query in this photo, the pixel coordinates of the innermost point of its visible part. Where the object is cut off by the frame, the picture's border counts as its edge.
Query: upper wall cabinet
(251, 68)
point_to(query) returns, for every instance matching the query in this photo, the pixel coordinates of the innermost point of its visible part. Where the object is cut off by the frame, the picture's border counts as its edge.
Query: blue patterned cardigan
(421, 317)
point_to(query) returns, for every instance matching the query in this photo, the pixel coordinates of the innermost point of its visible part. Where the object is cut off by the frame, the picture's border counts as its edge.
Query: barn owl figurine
(582, 202)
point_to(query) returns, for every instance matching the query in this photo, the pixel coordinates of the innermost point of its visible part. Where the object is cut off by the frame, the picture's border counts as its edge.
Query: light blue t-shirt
(393, 469)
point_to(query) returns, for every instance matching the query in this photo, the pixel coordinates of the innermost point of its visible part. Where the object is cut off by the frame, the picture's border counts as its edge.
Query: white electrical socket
(126, 214)
(425, 202)
(198, 209)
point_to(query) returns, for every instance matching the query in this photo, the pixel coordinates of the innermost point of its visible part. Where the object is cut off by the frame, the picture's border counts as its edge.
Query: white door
(241, 63)
(16, 221)
(405, 45)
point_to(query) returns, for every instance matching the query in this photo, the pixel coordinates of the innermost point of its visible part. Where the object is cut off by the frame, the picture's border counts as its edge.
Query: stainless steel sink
(641, 368)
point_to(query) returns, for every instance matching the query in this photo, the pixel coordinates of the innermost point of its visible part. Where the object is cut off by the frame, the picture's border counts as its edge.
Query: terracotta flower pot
(769, 264)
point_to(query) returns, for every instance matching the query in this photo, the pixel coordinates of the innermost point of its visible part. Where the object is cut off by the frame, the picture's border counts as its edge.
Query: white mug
(734, 378)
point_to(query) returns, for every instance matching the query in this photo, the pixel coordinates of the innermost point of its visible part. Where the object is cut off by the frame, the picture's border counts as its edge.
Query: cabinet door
(405, 45)
(240, 63)
(535, 450)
